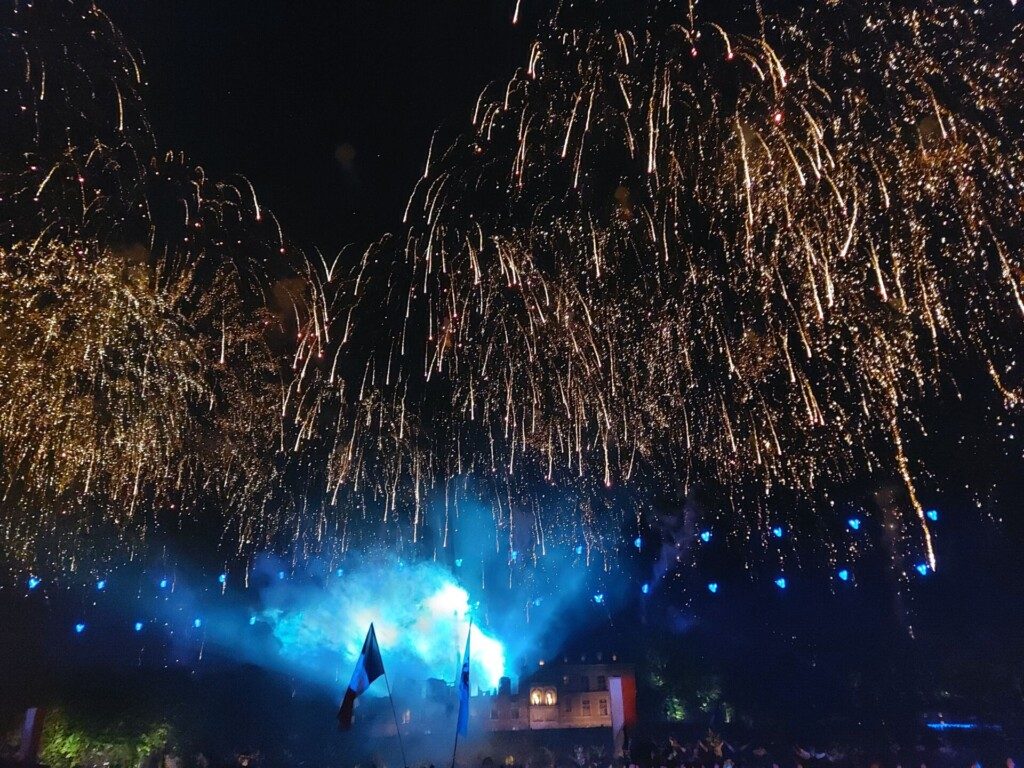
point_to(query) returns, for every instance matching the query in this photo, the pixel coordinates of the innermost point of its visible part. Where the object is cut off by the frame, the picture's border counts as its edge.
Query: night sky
(328, 107)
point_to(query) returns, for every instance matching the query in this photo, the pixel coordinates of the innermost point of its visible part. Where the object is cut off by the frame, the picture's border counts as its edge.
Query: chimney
(505, 686)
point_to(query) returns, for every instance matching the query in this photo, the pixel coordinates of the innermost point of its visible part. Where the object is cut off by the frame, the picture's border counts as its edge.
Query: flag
(464, 690)
(368, 668)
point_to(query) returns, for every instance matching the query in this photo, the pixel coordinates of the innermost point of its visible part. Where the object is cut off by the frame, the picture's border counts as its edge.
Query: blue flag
(463, 728)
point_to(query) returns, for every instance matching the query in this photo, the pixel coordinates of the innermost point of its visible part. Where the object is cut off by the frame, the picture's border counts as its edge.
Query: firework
(732, 251)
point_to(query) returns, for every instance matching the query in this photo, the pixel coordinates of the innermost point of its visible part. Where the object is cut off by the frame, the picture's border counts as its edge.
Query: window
(568, 705)
(586, 707)
(584, 683)
(536, 696)
(602, 684)
(549, 697)
(602, 707)
(407, 717)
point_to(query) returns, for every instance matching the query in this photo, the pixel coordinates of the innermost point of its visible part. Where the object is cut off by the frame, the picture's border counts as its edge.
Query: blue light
(932, 514)
(280, 575)
(922, 568)
(705, 536)
(138, 626)
(781, 582)
(599, 598)
(101, 584)
(579, 549)
(458, 562)
(222, 579)
(340, 572)
(638, 542)
(536, 602)
(646, 589)
(952, 726)
(79, 628)
(252, 621)
(197, 623)
(844, 574)
(777, 531)
(163, 583)
(515, 555)
(33, 582)
(712, 587)
(854, 523)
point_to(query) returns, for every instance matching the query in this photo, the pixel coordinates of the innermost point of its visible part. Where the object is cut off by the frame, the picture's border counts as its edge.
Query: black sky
(273, 89)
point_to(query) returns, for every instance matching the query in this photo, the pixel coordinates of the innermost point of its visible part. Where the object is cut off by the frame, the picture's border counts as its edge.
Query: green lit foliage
(68, 743)
(675, 712)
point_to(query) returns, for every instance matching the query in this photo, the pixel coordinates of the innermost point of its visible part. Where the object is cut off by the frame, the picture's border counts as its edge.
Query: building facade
(555, 696)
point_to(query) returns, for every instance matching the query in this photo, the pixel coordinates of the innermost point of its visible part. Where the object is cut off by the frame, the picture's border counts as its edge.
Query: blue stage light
(79, 628)
(280, 575)
(222, 579)
(458, 563)
(777, 531)
(33, 582)
(844, 574)
(101, 584)
(854, 523)
(579, 549)
(712, 587)
(163, 583)
(138, 626)
(705, 536)
(638, 542)
(515, 555)
(197, 623)
(252, 621)
(781, 582)
(646, 589)
(599, 598)
(932, 514)
(922, 568)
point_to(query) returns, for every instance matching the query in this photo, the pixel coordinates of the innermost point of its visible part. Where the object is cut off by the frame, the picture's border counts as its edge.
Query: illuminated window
(407, 717)
(550, 697)
(602, 707)
(536, 696)
(586, 707)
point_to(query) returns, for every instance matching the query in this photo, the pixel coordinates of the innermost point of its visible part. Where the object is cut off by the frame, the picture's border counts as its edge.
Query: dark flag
(463, 727)
(368, 668)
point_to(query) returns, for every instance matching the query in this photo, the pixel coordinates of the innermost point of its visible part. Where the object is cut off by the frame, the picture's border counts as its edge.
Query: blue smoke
(421, 616)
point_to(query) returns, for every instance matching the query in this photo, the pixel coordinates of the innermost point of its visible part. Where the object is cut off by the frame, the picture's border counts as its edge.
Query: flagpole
(455, 748)
(398, 730)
